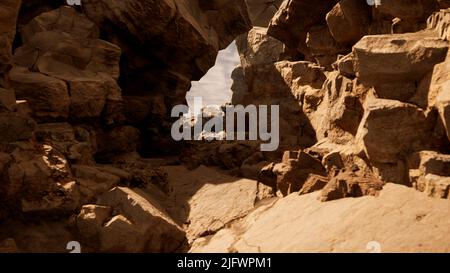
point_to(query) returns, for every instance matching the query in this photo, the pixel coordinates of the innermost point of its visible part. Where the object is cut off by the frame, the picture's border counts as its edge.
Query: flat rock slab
(206, 199)
(399, 220)
(401, 57)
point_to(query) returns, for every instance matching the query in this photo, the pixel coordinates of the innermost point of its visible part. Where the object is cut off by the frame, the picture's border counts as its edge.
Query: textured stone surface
(141, 226)
(294, 18)
(382, 137)
(349, 21)
(85, 147)
(405, 57)
(207, 200)
(354, 221)
(262, 11)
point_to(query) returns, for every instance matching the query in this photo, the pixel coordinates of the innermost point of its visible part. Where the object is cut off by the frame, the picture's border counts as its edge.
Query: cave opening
(215, 87)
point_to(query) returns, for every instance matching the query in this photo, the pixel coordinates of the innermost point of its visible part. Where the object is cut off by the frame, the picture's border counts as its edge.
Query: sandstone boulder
(38, 180)
(75, 143)
(433, 84)
(394, 64)
(9, 11)
(93, 181)
(195, 198)
(69, 51)
(429, 172)
(48, 97)
(89, 222)
(313, 183)
(401, 57)
(345, 65)
(390, 130)
(435, 185)
(347, 185)
(295, 169)
(349, 21)
(322, 45)
(294, 18)
(141, 221)
(256, 47)
(65, 19)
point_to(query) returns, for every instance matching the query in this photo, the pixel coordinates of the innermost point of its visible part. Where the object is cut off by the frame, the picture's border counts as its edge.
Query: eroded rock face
(69, 56)
(429, 173)
(295, 169)
(140, 220)
(294, 18)
(393, 64)
(383, 117)
(165, 46)
(261, 11)
(349, 21)
(9, 11)
(363, 96)
(437, 23)
(394, 80)
(206, 200)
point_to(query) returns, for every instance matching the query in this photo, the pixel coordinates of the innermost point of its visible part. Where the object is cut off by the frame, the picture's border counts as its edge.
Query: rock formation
(86, 154)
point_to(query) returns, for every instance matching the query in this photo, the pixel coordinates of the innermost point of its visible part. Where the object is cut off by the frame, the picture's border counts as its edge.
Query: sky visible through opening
(215, 86)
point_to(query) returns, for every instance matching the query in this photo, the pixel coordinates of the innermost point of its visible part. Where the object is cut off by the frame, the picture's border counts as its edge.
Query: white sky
(215, 86)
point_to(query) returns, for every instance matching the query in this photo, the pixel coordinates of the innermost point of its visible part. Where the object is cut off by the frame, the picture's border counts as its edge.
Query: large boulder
(262, 11)
(294, 170)
(206, 199)
(400, 57)
(391, 129)
(429, 172)
(295, 18)
(141, 224)
(394, 64)
(322, 46)
(349, 21)
(38, 180)
(256, 47)
(48, 97)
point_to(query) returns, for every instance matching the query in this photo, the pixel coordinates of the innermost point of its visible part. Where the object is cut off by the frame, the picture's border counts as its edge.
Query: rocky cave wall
(362, 89)
(95, 84)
